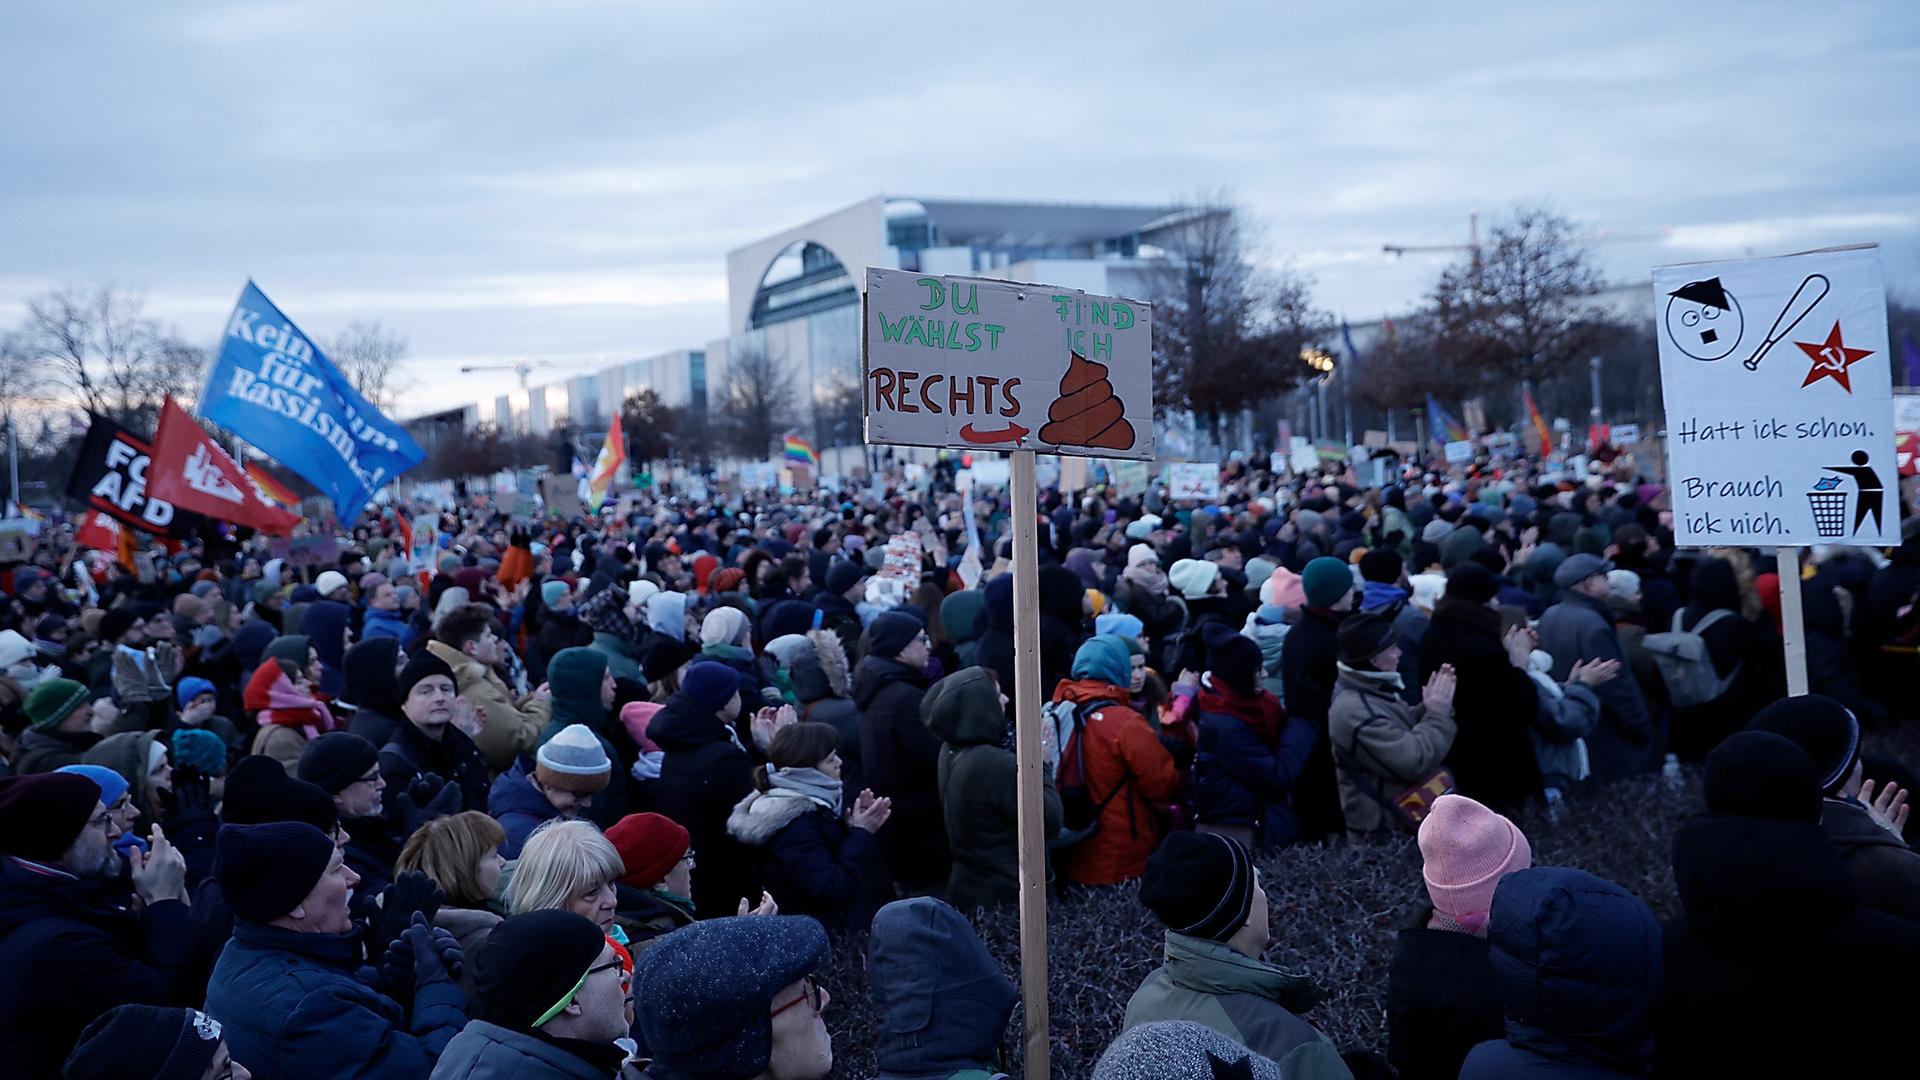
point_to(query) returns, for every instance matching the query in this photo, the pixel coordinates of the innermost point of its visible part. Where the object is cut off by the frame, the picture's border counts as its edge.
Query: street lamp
(1322, 363)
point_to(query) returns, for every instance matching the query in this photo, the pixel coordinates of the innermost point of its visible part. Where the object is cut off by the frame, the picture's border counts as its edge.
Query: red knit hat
(726, 579)
(649, 845)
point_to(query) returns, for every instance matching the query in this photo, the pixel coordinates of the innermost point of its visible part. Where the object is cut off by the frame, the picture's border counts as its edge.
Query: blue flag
(1911, 353)
(273, 387)
(1346, 337)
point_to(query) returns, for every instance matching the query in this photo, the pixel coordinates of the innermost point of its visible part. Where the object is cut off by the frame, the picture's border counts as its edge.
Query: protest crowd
(486, 795)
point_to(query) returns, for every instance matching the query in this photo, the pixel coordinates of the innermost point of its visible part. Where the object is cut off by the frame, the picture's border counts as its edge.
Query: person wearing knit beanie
(552, 591)
(116, 622)
(329, 583)
(892, 632)
(148, 1042)
(1327, 583)
(1759, 774)
(727, 579)
(1284, 588)
(1365, 636)
(337, 760)
(1465, 849)
(259, 790)
(724, 626)
(842, 575)
(650, 847)
(549, 970)
(1193, 578)
(710, 685)
(1235, 660)
(197, 748)
(113, 786)
(1202, 885)
(1824, 728)
(732, 999)
(284, 869)
(42, 815)
(59, 705)
(1471, 582)
(570, 768)
(422, 665)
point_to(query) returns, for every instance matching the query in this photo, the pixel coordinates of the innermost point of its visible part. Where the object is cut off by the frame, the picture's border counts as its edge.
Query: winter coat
(1307, 671)
(1202, 612)
(901, 760)
(1832, 669)
(646, 914)
(291, 1009)
(471, 927)
(281, 743)
(825, 694)
(1775, 969)
(518, 807)
(1492, 756)
(704, 776)
(575, 677)
(1576, 961)
(453, 758)
(1158, 611)
(1580, 628)
(1128, 770)
(72, 949)
(812, 861)
(963, 615)
(1249, 1001)
(1885, 871)
(941, 1003)
(484, 1051)
(44, 751)
(977, 784)
(513, 726)
(1238, 778)
(1381, 746)
(373, 846)
(378, 624)
(1441, 1001)
(838, 615)
(623, 657)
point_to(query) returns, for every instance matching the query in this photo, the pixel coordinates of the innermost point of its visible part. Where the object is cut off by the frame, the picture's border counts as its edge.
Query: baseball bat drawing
(1798, 305)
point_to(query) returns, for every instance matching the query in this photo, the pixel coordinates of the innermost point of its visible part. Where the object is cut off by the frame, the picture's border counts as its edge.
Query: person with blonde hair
(568, 864)
(461, 853)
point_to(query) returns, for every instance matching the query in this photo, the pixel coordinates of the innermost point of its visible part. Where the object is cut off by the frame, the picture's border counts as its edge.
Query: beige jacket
(512, 727)
(281, 743)
(1381, 747)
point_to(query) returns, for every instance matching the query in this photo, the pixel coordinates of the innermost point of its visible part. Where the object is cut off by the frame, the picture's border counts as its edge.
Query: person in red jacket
(1126, 767)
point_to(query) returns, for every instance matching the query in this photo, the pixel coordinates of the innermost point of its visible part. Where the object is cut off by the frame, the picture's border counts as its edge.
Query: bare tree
(756, 405)
(100, 344)
(839, 402)
(370, 355)
(1520, 307)
(649, 425)
(1227, 332)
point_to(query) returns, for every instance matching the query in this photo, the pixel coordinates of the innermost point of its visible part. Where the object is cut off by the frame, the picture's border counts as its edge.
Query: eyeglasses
(100, 822)
(371, 778)
(811, 992)
(616, 962)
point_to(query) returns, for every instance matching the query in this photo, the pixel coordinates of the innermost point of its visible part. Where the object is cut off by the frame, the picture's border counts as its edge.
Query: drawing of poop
(1704, 320)
(1086, 413)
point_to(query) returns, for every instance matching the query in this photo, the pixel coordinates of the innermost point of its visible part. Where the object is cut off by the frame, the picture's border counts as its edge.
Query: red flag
(406, 533)
(99, 532)
(188, 469)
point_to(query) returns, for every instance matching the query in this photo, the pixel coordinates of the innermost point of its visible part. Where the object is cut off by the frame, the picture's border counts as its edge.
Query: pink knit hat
(1283, 587)
(1465, 850)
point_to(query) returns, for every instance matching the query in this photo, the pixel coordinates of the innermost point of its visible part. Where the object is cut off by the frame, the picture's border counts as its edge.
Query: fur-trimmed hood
(832, 656)
(759, 817)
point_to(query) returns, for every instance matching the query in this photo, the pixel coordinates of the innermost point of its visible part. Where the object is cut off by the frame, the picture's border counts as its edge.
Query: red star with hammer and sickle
(1831, 359)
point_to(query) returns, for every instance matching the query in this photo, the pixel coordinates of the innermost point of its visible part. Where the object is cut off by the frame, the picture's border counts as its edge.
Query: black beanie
(259, 790)
(665, 655)
(145, 1042)
(1365, 636)
(1822, 727)
(42, 815)
(891, 632)
(1472, 582)
(422, 665)
(266, 870)
(842, 574)
(116, 622)
(1381, 565)
(530, 962)
(336, 759)
(1758, 774)
(1236, 661)
(1199, 884)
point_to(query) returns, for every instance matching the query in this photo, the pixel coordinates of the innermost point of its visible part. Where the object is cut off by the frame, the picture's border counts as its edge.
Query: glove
(394, 976)
(192, 802)
(206, 637)
(426, 798)
(452, 956)
(429, 965)
(412, 893)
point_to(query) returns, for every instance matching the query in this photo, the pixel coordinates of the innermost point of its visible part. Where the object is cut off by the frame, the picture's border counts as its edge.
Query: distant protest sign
(970, 363)
(1194, 480)
(1779, 396)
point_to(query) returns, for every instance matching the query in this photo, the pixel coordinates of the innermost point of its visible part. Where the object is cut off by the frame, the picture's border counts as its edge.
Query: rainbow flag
(613, 454)
(270, 489)
(800, 451)
(1539, 422)
(1446, 429)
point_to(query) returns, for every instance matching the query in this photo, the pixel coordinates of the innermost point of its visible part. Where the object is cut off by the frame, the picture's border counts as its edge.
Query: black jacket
(453, 758)
(1494, 704)
(902, 760)
(1440, 1001)
(1775, 969)
(1307, 669)
(702, 776)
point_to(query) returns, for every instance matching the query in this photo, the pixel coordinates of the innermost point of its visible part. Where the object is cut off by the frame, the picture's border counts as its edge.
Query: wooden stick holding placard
(1027, 720)
(1793, 623)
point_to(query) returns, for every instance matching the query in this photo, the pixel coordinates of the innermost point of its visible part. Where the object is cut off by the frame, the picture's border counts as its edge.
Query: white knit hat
(328, 581)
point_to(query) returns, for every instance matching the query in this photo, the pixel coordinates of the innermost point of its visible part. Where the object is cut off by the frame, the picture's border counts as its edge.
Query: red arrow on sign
(1013, 433)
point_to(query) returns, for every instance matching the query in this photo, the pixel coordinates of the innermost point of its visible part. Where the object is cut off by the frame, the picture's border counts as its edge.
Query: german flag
(270, 489)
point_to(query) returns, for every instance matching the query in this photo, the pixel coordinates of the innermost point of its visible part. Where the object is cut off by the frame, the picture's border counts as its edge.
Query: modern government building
(796, 295)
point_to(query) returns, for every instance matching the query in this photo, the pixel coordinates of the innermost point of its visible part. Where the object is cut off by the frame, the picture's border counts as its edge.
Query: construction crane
(1591, 236)
(521, 368)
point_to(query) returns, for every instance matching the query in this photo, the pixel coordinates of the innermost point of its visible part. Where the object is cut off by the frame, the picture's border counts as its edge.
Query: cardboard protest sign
(969, 363)
(1194, 480)
(1779, 400)
(561, 493)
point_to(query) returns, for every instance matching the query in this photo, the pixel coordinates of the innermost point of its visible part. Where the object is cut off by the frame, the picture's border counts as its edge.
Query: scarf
(810, 783)
(1383, 681)
(288, 708)
(1146, 576)
(1262, 712)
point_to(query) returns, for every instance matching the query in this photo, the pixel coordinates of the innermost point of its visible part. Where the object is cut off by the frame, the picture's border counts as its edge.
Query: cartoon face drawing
(1704, 320)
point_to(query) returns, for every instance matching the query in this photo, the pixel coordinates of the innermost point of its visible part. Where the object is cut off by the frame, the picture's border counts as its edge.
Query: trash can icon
(1829, 508)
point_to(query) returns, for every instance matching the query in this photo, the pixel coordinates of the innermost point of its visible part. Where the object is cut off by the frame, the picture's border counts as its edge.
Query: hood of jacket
(127, 754)
(876, 673)
(1061, 594)
(964, 709)
(251, 640)
(759, 817)
(942, 1003)
(1577, 962)
(575, 676)
(999, 600)
(1739, 877)
(372, 681)
(1213, 967)
(1091, 692)
(325, 625)
(964, 615)
(808, 677)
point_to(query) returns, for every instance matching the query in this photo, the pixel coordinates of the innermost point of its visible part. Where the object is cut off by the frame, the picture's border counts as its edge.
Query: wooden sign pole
(1027, 720)
(1793, 626)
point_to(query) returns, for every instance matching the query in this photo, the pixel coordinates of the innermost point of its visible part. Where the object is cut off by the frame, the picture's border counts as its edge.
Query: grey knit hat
(1178, 1050)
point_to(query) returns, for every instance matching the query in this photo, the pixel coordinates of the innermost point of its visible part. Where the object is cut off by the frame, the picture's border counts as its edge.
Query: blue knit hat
(709, 684)
(112, 784)
(705, 992)
(189, 688)
(200, 749)
(552, 590)
(1325, 581)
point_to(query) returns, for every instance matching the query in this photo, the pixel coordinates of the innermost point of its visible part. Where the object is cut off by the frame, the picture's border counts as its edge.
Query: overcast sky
(562, 179)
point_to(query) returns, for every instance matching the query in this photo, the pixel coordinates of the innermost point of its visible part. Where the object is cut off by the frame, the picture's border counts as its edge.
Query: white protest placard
(1779, 400)
(1459, 452)
(1127, 478)
(1304, 457)
(1193, 480)
(1625, 434)
(969, 363)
